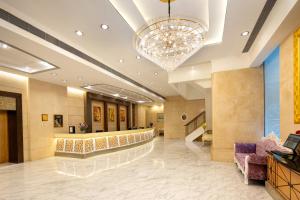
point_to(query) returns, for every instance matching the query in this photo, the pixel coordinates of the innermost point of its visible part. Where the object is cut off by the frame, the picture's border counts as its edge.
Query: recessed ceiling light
(140, 101)
(155, 73)
(4, 46)
(138, 57)
(116, 95)
(104, 26)
(64, 81)
(79, 33)
(245, 33)
(121, 60)
(125, 97)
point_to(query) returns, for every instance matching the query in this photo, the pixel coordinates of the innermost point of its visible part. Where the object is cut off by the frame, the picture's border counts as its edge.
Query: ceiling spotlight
(121, 60)
(104, 26)
(245, 33)
(4, 46)
(138, 57)
(116, 95)
(155, 73)
(125, 97)
(79, 33)
(140, 101)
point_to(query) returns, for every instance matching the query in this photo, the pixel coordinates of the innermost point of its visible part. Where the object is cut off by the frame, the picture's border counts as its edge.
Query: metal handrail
(195, 123)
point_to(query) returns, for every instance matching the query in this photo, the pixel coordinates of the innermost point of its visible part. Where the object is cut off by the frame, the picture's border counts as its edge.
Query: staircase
(195, 128)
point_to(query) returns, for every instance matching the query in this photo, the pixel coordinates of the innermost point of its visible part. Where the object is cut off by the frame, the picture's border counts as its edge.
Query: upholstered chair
(251, 158)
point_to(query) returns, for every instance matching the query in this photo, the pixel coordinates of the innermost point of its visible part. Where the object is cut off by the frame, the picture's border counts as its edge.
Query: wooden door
(3, 137)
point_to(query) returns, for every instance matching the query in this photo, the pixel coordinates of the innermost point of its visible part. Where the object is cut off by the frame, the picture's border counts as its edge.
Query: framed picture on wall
(97, 113)
(44, 117)
(122, 115)
(111, 114)
(58, 121)
(160, 117)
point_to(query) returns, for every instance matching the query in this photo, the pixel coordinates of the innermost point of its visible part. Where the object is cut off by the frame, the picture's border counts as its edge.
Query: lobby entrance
(11, 128)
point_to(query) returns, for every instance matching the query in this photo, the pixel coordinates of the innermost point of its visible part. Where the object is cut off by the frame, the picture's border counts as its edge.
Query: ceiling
(62, 18)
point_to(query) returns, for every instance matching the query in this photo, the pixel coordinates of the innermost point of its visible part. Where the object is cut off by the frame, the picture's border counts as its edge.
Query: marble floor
(160, 170)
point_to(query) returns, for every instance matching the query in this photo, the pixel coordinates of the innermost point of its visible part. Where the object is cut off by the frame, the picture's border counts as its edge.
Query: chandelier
(168, 42)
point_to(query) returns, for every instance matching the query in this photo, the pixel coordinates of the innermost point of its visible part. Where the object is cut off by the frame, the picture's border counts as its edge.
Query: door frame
(15, 129)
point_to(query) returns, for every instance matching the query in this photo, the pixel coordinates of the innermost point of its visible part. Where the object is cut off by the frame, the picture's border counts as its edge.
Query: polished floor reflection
(160, 170)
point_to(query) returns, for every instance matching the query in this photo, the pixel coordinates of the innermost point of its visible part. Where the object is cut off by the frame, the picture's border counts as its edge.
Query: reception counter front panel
(85, 145)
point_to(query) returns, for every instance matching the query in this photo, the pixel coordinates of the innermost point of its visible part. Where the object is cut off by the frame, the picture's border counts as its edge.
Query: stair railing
(195, 123)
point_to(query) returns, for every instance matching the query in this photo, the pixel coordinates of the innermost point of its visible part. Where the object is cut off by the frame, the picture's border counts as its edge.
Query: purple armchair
(251, 158)
(253, 166)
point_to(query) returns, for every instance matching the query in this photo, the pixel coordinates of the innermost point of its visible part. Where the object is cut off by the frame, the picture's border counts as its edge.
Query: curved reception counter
(89, 144)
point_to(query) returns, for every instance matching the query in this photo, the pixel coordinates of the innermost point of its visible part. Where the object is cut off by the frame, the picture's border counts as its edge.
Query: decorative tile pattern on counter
(137, 138)
(60, 143)
(130, 139)
(78, 148)
(123, 140)
(69, 146)
(88, 146)
(84, 146)
(113, 141)
(100, 143)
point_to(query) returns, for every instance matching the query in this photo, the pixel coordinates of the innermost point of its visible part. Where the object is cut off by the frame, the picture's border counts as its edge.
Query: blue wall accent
(272, 95)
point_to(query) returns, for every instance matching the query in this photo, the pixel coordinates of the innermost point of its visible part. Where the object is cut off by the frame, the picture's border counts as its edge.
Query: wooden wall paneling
(118, 117)
(15, 129)
(106, 100)
(105, 117)
(133, 115)
(128, 117)
(3, 137)
(88, 113)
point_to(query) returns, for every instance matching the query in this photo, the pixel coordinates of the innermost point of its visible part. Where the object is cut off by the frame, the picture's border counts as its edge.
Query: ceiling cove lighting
(75, 91)
(245, 33)
(170, 41)
(4, 46)
(104, 26)
(79, 33)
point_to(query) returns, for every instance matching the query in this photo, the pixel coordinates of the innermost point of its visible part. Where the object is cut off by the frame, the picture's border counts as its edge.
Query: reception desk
(89, 144)
(283, 179)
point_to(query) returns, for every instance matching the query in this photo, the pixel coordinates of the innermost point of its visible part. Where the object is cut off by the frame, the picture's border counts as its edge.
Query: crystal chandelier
(170, 41)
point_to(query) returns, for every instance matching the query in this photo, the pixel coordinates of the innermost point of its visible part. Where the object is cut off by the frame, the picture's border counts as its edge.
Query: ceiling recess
(119, 93)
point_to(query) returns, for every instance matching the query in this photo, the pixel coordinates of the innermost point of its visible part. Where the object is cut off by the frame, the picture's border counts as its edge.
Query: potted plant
(83, 127)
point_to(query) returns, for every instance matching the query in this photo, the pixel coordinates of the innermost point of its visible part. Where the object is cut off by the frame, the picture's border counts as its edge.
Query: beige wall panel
(238, 110)
(45, 98)
(174, 107)
(287, 124)
(151, 116)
